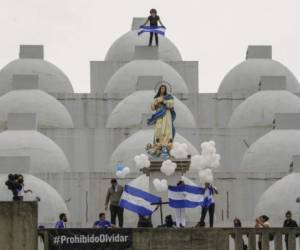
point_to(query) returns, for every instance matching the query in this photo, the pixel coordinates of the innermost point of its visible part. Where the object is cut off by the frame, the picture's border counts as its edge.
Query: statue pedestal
(154, 172)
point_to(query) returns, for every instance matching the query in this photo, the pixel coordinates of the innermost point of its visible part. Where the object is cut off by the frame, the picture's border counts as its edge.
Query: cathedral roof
(272, 152)
(126, 80)
(259, 109)
(123, 48)
(279, 198)
(245, 77)
(51, 78)
(22, 139)
(46, 155)
(26, 98)
(129, 112)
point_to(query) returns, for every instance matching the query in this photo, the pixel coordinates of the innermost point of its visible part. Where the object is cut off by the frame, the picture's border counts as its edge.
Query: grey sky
(215, 33)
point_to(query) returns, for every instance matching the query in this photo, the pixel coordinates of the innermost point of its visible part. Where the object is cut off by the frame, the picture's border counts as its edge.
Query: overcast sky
(215, 33)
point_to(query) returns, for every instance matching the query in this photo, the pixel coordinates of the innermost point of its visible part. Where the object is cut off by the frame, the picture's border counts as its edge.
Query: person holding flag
(180, 212)
(153, 19)
(184, 196)
(208, 203)
(139, 201)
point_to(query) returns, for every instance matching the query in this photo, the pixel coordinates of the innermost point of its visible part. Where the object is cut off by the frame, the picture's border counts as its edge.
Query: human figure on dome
(154, 19)
(163, 118)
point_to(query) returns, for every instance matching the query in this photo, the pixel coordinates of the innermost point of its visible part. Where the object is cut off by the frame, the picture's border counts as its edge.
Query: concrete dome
(245, 77)
(46, 156)
(126, 78)
(135, 145)
(279, 198)
(272, 152)
(50, 112)
(123, 48)
(51, 78)
(128, 113)
(259, 109)
(51, 204)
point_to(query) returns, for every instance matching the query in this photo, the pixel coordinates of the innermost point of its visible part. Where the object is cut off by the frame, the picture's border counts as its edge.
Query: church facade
(79, 138)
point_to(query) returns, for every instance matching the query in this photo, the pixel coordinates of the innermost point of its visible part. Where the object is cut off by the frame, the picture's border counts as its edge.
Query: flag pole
(160, 209)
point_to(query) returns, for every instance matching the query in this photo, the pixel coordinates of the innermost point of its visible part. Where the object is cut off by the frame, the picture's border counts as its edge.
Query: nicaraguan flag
(185, 196)
(155, 29)
(208, 196)
(138, 201)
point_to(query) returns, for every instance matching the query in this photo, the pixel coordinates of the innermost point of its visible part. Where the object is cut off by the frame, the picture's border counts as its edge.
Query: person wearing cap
(153, 19)
(113, 197)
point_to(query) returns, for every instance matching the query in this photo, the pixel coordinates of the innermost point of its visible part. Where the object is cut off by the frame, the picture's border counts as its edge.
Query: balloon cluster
(207, 161)
(122, 171)
(179, 150)
(160, 185)
(168, 167)
(142, 161)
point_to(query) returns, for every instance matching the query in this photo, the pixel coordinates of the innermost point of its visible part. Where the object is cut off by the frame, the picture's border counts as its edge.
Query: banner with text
(81, 239)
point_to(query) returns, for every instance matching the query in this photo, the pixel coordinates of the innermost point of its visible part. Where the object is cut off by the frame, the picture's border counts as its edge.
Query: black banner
(81, 239)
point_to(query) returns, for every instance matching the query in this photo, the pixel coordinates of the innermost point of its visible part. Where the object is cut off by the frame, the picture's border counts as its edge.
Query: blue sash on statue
(161, 112)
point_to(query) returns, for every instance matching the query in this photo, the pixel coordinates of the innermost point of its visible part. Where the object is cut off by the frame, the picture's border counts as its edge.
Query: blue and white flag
(208, 196)
(155, 29)
(185, 196)
(138, 201)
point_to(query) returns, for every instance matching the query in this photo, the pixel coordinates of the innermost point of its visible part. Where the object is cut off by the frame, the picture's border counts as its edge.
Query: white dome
(125, 79)
(245, 77)
(279, 198)
(135, 145)
(272, 152)
(128, 113)
(50, 112)
(51, 204)
(45, 155)
(123, 48)
(51, 78)
(259, 109)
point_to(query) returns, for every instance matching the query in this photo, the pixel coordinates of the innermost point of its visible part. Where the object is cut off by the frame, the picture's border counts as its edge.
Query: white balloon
(121, 174)
(208, 158)
(142, 161)
(179, 150)
(168, 167)
(204, 145)
(126, 170)
(164, 185)
(205, 175)
(160, 185)
(164, 182)
(212, 143)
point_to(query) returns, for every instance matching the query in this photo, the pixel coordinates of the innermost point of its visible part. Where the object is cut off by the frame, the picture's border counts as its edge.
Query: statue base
(154, 172)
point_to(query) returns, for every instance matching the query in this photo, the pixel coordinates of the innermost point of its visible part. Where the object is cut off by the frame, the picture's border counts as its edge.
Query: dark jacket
(290, 223)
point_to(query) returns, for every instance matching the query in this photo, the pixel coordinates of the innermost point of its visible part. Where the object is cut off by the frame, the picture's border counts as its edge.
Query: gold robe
(163, 126)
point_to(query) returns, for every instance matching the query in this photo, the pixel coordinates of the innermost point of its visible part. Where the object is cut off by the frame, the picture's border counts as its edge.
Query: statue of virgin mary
(164, 116)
